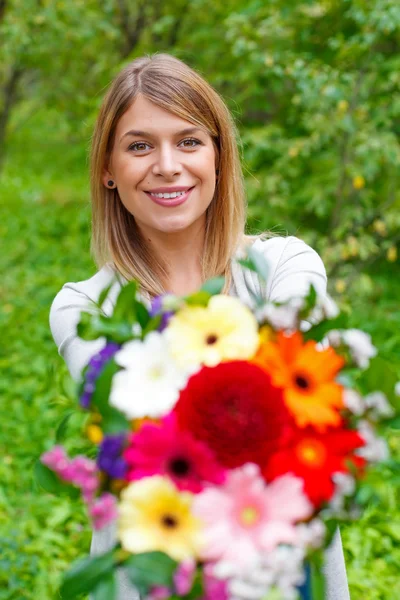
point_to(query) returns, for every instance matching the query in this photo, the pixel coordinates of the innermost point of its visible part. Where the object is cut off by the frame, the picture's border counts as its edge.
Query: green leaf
(317, 581)
(52, 484)
(62, 427)
(142, 315)
(150, 568)
(381, 376)
(87, 328)
(103, 386)
(200, 298)
(94, 326)
(318, 332)
(104, 293)
(261, 266)
(106, 589)
(394, 423)
(113, 421)
(310, 301)
(125, 307)
(213, 286)
(152, 325)
(86, 574)
(197, 590)
(247, 264)
(46, 478)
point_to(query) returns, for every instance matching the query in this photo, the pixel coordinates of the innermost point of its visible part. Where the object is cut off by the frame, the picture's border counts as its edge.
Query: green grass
(44, 228)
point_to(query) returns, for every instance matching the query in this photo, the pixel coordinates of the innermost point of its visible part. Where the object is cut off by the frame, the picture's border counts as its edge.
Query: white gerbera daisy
(149, 384)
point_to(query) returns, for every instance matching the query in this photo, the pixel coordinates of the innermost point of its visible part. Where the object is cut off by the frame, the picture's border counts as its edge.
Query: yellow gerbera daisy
(153, 515)
(224, 330)
(307, 376)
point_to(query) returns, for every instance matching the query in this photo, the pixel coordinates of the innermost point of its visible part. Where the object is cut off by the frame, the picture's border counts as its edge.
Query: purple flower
(157, 309)
(110, 458)
(95, 366)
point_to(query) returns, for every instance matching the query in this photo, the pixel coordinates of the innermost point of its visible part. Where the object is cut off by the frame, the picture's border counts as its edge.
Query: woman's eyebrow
(139, 133)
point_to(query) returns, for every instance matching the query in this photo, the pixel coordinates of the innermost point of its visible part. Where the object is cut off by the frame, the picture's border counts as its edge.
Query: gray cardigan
(293, 266)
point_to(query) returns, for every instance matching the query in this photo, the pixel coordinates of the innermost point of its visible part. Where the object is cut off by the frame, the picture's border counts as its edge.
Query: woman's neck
(181, 252)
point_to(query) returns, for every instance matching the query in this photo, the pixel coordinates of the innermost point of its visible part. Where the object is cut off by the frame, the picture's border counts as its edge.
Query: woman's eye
(193, 145)
(136, 146)
(142, 146)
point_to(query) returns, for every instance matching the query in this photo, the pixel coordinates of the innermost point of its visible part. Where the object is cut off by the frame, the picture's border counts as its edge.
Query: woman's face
(153, 153)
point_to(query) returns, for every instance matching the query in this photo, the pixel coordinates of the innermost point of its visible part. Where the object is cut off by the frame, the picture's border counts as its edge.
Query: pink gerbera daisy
(246, 516)
(163, 449)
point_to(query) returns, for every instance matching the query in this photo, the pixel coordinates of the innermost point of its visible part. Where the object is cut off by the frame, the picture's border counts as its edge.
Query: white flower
(325, 308)
(358, 342)
(379, 406)
(284, 316)
(375, 449)
(149, 384)
(334, 338)
(312, 534)
(397, 388)
(277, 572)
(345, 485)
(360, 346)
(353, 401)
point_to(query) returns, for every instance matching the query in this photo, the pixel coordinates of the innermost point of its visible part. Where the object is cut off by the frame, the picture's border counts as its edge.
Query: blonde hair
(172, 85)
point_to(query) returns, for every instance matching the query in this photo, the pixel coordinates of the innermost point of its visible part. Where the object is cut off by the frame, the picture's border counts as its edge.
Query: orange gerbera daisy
(307, 376)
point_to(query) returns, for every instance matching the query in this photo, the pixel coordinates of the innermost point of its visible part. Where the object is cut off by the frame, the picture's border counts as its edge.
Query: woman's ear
(108, 179)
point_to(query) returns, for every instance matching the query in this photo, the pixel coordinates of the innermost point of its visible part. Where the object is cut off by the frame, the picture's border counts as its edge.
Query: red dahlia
(236, 411)
(314, 457)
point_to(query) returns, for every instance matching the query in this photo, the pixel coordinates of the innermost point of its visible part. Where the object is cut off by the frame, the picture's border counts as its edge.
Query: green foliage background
(314, 88)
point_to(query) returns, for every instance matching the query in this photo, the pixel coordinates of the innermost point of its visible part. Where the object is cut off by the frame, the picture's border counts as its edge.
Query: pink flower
(183, 577)
(103, 510)
(79, 471)
(246, 516)
(163, 449)
(214, 589)
(159, 592)
(56, 460)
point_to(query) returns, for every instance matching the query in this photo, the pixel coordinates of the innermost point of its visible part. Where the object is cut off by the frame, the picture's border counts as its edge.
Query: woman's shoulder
(75, 296)
(293, 266)
(276, 248)
(65, 313)
(87, 288)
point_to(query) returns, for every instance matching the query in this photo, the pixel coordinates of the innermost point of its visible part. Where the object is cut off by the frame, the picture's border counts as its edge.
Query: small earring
(111, 183)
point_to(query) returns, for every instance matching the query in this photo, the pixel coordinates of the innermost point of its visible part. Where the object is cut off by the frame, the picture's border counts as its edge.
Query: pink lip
(170, 201)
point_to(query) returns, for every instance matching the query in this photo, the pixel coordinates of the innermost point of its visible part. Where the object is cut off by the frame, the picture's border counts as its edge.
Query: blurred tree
(51, 53)
(319, 87)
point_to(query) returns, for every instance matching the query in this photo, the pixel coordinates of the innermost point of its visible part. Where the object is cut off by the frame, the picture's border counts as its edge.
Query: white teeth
(166, 195)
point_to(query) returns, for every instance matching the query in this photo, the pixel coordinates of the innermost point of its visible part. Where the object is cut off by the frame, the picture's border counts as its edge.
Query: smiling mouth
(167, 195)
(176, 200)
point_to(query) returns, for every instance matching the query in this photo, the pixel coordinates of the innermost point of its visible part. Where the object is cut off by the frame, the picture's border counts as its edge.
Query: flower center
(211, 339)
(156, 371)
(179, 466)
(169, 521)
(249, 515)
(302, 382)
(311, 452)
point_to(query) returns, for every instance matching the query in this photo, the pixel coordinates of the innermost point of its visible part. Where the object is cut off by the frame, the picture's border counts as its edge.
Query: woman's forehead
(144, 117)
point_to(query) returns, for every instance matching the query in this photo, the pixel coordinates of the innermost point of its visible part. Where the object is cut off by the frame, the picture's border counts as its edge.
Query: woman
(168, 209)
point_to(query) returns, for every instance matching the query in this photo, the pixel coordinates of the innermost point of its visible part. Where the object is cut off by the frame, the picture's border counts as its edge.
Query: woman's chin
(173, 224)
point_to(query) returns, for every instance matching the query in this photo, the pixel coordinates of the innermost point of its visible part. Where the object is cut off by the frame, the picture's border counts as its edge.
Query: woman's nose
(167, 162)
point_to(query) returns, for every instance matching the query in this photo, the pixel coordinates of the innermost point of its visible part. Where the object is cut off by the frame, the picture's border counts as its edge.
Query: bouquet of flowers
(230, 441)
